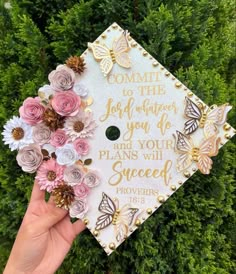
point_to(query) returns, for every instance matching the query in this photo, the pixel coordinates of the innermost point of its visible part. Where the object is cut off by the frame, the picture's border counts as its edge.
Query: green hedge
(195, 230)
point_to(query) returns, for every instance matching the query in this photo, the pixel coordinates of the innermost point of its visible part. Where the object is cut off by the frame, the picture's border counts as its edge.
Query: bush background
(195, 230)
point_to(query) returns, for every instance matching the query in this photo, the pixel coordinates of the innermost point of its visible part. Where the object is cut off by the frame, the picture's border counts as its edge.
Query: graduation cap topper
(153, 134)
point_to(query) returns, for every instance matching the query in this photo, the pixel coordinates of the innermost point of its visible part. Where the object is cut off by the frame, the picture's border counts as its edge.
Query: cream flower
(17, 133)
(30, 158)
(41, 134)
(80, 126)
(62, 79)
(91, 179)
(78, 208)
(73, 175)
(67, 155)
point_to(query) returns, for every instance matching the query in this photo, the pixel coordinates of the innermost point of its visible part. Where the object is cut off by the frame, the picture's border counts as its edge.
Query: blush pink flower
(30, 158)
(81, 191)
(66, 103)
(58, 138)
(81, 146)
(49, 175)
(80, 126)
(41, 134)
(32, 111)
(62, 79)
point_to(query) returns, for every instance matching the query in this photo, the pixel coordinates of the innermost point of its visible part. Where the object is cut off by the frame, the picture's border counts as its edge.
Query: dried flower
(52, 119)
(76, 63)
(63, 195)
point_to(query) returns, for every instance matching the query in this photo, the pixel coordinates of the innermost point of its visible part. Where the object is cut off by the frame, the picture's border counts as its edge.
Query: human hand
(44, 238)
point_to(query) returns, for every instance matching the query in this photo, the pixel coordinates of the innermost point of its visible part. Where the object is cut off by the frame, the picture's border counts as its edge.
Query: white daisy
(80, 126)
(17, 133)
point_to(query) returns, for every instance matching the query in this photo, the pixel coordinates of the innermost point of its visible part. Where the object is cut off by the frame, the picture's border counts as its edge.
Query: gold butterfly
(118, 54)
(201, 155)
(208, 120)
(120, 218)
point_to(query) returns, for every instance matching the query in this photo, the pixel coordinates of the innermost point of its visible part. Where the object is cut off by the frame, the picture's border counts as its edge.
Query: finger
(51, 218)
(51, 200)
(37, 194)
(78, 227)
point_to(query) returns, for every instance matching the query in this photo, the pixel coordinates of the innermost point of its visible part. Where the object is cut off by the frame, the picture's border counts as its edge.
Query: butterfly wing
(102, 53)
(215, 117)
(121, 232)
(99, 51)
(183, 146)
(108, 207)
(204, 164)
(208, 148)
(124, 220)
(123, 60)
(120, 48)
(121, 44)
(103, 221)
(106, 65)
(218, 115)
(191, 111)
(190, 126)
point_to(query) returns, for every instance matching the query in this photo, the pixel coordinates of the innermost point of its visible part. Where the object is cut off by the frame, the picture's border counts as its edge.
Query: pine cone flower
(63, 195)
(52, 119)
(76, 63)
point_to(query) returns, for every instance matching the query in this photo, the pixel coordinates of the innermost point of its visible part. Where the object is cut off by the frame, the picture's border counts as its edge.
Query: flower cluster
(51, 136)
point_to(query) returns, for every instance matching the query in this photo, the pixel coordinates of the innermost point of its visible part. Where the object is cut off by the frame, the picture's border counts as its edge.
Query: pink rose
(66, 103)
(81, 146)
(62, 79)
(78, 208)
(81, 191)
(73, 175)
(32, 111)
(41, 134)
(58, 138)
(91, 179)
(30, 158)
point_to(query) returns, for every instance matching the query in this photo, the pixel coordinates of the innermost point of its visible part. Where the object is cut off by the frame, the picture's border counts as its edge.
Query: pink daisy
(49, 175)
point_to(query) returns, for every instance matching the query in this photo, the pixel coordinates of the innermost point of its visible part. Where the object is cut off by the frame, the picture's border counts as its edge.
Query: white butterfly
(120, 218)
(201, 155)
(209, 120)
(118, 54)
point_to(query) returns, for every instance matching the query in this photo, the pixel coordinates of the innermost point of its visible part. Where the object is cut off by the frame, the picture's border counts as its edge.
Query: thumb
(50, 218)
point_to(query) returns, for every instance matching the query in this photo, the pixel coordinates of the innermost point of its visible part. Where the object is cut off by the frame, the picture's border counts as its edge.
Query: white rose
(45, 92)
(67, 155)
(80, 90)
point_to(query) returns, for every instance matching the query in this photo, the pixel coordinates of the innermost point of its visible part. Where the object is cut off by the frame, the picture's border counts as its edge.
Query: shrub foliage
(194, 231)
